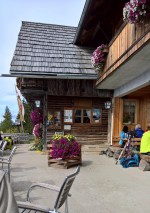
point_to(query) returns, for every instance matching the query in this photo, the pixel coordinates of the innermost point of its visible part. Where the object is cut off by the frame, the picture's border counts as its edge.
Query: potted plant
(99, 57)
(136, 11)
(64, 147)
(37, 120)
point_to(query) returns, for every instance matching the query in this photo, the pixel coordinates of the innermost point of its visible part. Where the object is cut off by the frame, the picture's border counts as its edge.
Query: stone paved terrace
(101, 186)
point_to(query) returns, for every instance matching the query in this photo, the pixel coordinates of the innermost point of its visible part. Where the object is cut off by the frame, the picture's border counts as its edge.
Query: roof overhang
(96, 26)
(52, 76)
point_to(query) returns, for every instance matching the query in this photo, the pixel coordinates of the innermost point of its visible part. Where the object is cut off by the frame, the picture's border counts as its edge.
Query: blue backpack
(130, 162)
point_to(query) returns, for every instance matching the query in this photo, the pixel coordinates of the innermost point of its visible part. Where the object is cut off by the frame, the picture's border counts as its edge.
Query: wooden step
(96, 149)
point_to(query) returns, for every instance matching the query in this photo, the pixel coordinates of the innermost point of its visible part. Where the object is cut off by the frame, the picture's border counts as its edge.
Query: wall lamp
(37, 103)
(107, 104)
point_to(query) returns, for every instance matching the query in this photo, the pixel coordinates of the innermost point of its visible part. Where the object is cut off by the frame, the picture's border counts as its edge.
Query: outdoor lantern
(107, 104)
(37, 103)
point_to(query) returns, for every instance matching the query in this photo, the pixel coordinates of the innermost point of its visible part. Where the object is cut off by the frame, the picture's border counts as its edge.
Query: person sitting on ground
(123, 134)
(138, 131)
(145, 142)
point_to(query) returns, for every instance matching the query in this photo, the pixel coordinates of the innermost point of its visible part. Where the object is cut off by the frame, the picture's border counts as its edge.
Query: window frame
(91, 116)
(53, 125)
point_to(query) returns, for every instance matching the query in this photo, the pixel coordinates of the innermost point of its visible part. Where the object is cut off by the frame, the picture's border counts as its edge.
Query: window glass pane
(129, 111)
(96, 115)
(57, 118)
(78, 112)
(86, 116)
(50, 118)
(77, 119)
(86, 120)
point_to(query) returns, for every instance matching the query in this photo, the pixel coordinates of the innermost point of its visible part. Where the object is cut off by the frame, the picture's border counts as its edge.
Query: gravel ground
(101, 186)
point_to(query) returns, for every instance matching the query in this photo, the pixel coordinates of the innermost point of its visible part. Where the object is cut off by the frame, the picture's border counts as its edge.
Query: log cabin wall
(79, 94)
(87, 133)
(73, 94)
(148, 110)
(118, 117)
(72, 87)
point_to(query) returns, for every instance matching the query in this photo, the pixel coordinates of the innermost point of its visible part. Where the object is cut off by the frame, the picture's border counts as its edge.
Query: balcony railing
(125, 43)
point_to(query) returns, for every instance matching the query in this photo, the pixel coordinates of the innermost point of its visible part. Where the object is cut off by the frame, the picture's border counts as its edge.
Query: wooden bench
(134, 141)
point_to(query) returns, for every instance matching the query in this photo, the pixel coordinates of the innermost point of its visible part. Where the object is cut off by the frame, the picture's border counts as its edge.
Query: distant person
(9, 142)
(1, 137)
(123, 135)
(145, 142)
(138, 131)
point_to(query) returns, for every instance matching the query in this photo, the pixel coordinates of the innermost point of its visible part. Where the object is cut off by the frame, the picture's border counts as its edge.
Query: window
(87, 116)
(54, 119)
(68, 115)
(96, 115)
(129, 110)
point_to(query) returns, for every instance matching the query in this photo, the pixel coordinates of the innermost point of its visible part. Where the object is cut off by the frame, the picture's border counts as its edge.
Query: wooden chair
(7, 161)
(63, 193)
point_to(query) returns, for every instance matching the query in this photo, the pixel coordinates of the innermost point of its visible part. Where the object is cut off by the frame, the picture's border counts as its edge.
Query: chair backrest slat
(1, 142)
(65, 188)
(3, 146)
(12, 153)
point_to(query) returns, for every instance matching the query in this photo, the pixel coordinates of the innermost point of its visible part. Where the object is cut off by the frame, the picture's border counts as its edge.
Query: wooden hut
(53, 64)
(58, 73)
(127, 67)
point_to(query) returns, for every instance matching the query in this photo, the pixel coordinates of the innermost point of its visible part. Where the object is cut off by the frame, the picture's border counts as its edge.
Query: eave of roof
(82, 19)
(52, 76)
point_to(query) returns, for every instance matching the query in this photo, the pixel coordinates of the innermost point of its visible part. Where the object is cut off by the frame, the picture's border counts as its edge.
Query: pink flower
(36, 116)
(64, 148)
(37, 130)
(98, 57)
(135, 10)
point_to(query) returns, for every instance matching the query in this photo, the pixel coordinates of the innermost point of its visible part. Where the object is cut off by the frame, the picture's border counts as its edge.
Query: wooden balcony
(129, 39)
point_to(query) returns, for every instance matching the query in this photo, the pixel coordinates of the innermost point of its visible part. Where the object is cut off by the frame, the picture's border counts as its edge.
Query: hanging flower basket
(99, 57)
(136, 11)
(36, 116)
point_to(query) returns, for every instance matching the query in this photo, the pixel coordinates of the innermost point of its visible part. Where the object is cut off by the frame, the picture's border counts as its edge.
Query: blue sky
(13, 12)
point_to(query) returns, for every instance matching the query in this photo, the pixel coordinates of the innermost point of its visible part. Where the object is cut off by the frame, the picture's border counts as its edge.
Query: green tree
(6, 124)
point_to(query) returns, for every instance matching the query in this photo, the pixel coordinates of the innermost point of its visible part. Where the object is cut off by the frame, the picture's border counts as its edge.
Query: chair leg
(9, 172)
(66, 206)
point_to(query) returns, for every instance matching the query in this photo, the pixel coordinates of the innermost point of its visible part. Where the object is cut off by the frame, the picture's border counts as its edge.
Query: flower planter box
(63, 163)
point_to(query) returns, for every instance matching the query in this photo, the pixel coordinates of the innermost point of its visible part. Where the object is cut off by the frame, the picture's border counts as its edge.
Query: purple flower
(36, 116)
(135, 10)
(99, 56)
(37, 130)
(64, 148)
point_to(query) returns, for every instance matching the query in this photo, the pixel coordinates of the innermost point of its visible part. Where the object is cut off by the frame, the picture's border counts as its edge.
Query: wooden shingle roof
(49, 49)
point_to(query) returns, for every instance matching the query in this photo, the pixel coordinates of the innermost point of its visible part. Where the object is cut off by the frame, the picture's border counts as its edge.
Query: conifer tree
(6, 124)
